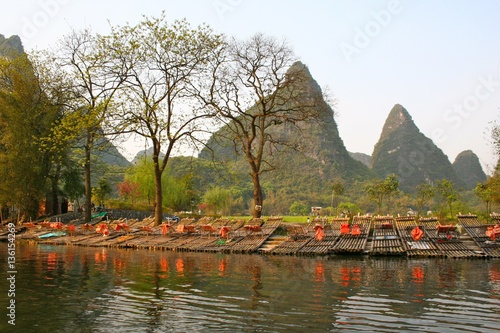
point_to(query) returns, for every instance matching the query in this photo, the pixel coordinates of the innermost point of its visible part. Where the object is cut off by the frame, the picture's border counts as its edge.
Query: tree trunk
(257, 196)
(54, 190)
(158, 192)
(88, 186)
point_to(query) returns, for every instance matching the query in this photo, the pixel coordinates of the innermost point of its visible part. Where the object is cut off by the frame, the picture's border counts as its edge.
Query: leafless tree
(260, 87)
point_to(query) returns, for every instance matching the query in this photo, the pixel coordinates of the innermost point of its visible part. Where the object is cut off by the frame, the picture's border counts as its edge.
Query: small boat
(52, 234)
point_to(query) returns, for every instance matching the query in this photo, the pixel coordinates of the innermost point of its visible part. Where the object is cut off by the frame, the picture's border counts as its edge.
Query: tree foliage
(379, 190)
(485, 191)
(165, 66)
(26, 117)
(446, 195)
(217, 200)
(423, 196)
(91, 80)
(101, 192)
(298, 208)
(129, 190)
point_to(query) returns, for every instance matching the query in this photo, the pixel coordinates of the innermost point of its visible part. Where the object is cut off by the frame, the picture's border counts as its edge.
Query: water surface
(80, 289)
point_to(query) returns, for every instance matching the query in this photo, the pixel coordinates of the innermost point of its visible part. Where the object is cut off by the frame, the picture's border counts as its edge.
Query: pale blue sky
(439, 59)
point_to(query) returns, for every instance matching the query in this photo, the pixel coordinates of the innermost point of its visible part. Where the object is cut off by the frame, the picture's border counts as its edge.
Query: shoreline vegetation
(467, 237)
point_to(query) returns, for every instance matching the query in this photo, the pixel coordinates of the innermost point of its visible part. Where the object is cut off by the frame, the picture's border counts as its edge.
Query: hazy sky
(439, 59)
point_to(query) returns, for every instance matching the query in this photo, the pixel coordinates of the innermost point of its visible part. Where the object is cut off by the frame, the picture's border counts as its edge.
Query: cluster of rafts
(380, 235)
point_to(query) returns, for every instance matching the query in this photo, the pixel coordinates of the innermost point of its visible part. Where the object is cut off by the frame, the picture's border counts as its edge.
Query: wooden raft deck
(425, 247)
(318, 247)
(321, 246)
(432, 243)
(386, 239)
(388, 236)
(477, 232)
(302, 241)
(297, 238)
(351, 244)
(253, 239)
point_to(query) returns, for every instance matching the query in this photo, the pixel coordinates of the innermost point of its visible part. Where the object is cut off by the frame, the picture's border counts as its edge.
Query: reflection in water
(319, 272)
(418, 275)
(179, 266)
(106, 290)
(222, 266)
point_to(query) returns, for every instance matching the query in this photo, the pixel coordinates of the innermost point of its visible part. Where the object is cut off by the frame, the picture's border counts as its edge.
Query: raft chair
(167, 226)
(224, 227)
(446, 232)
(147, 225)
(186, 226)
(30, 226)
(493, 232)
(206, 226)
(296, 232)
(253, 226)
(122, 226)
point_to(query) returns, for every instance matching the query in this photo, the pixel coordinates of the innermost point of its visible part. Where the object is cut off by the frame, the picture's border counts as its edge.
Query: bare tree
(167, 62)
(259, 88)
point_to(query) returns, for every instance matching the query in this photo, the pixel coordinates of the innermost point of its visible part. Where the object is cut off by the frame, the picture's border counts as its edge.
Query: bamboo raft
(383, 235)
(294, 243)
(425, 247)
(255, 232)
(351, 243)
(304, 241)
(318, 247)
(477, 231)
(386, 239)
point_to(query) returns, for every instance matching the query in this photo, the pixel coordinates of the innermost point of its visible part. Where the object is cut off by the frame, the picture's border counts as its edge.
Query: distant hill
(300, 175)
(362, 157)
(109, 154)
(403, 150)
(146, 152)
(468, 168)
(10, 45)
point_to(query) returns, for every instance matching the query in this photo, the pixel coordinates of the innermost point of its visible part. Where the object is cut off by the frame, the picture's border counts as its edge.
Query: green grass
(295, 219)
(287, 219)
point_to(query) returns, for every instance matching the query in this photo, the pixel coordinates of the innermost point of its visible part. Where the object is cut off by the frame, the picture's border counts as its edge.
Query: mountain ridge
(468, 168)
(403, 150)
(11, 46)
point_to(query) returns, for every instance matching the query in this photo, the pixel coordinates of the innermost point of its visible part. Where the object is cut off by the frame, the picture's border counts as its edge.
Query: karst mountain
(309, 170)
(403, 150)
(319, 158)
(468, 168)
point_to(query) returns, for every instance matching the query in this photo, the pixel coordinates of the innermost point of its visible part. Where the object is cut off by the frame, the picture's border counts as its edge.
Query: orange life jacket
(493, 232)
(344, 228)
(164, 229)
(320, 233)
(417, 233)
(356, 231)
(224, 231)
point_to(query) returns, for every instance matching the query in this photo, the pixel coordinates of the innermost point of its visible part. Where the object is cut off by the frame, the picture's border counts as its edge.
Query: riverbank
(363, 235)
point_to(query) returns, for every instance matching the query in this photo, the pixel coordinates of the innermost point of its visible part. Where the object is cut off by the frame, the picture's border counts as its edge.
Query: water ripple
(65, 289)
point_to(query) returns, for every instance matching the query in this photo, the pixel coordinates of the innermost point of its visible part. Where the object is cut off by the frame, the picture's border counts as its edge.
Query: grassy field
(288, 219)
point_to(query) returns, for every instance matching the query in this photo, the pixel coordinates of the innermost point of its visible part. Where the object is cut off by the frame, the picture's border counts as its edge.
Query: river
(83, 289)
